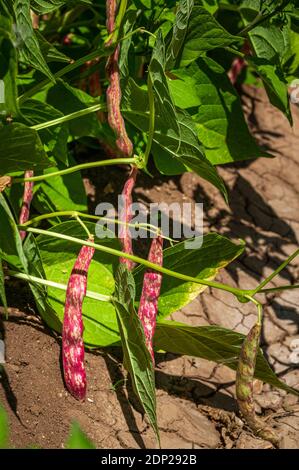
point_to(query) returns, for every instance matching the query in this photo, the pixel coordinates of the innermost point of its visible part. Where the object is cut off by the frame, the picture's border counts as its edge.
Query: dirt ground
(196, 406)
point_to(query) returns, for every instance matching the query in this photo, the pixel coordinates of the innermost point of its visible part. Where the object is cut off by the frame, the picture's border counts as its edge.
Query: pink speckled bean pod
(126, 216)
(27, 198)
(244, 386)
(72, 331)
(113, 93)
(148, 307)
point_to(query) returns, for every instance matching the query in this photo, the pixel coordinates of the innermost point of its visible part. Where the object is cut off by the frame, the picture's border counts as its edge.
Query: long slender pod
(113, 93)
(244, 385)
(126, 216)
(26, 203)
(72, 331)
(152, 280)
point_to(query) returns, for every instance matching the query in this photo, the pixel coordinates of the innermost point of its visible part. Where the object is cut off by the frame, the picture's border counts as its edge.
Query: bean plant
(151, 86)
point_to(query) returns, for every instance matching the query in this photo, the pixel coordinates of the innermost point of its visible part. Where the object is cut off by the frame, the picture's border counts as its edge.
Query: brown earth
(196, 406)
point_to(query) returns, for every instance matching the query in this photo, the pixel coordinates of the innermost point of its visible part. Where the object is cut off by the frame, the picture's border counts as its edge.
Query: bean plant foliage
(171, 69)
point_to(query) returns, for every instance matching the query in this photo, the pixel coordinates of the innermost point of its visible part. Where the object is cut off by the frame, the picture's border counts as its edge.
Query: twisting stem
(137, 259)
(69, 117)
(73, 169)
(149, 227)
(277, 271)
(56, 285)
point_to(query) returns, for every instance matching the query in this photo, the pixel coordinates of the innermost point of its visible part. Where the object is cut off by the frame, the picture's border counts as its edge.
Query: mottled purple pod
(126, 217)
(111, 7)
(113, 93)
(244, 386)
(152, 280)
(72, 331)
(27, 198)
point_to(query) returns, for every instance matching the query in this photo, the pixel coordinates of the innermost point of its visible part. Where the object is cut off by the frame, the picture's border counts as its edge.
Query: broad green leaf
(54, 137)
(204, 34)
(11, 249)
(216, 110)
(49, 51)
(179, 32)
(213, 343)
(203, 262)
(58, 257)
(4, 431)
(78, 439)
(67, 100)
(275, 84)
(8, 66)
(21, 149)
(30, 51)
(269, 40)
(2, 286)
(47, 6)
(164, 108)
(61, 193)
(137, 358)
(169, 161)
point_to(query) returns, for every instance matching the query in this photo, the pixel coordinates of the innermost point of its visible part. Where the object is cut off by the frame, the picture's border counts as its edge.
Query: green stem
(278, 289)
(68, 68)
(277, 271)
(57, 285)
(149, 227)
(137, 259)
(151, 130)
(69, 117)
(235, 52)
(73, 169)
(259, 308)
(90, 237)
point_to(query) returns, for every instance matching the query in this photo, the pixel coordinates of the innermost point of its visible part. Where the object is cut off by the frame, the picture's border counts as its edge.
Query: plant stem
(69, 117)
(278, 289)
(149, 227)
(101, 52)
(57, 285)
(137, 259)
(151, 130)
(235, 52)
(277, 271)
(73, 169)
(83, 226)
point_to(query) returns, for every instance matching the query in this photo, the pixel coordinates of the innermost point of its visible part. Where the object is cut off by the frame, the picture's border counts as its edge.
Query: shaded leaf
(179, 32)
(54, 137)
(21, 149)
(11, 249)
(2, 286)
(213, 343)
(30, 51)
(137, 358)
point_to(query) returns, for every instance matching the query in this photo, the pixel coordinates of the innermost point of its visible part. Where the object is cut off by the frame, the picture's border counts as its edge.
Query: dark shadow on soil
(116, 377)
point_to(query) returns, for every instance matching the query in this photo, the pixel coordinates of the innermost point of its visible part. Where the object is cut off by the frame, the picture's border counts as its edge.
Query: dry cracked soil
(196, 405)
